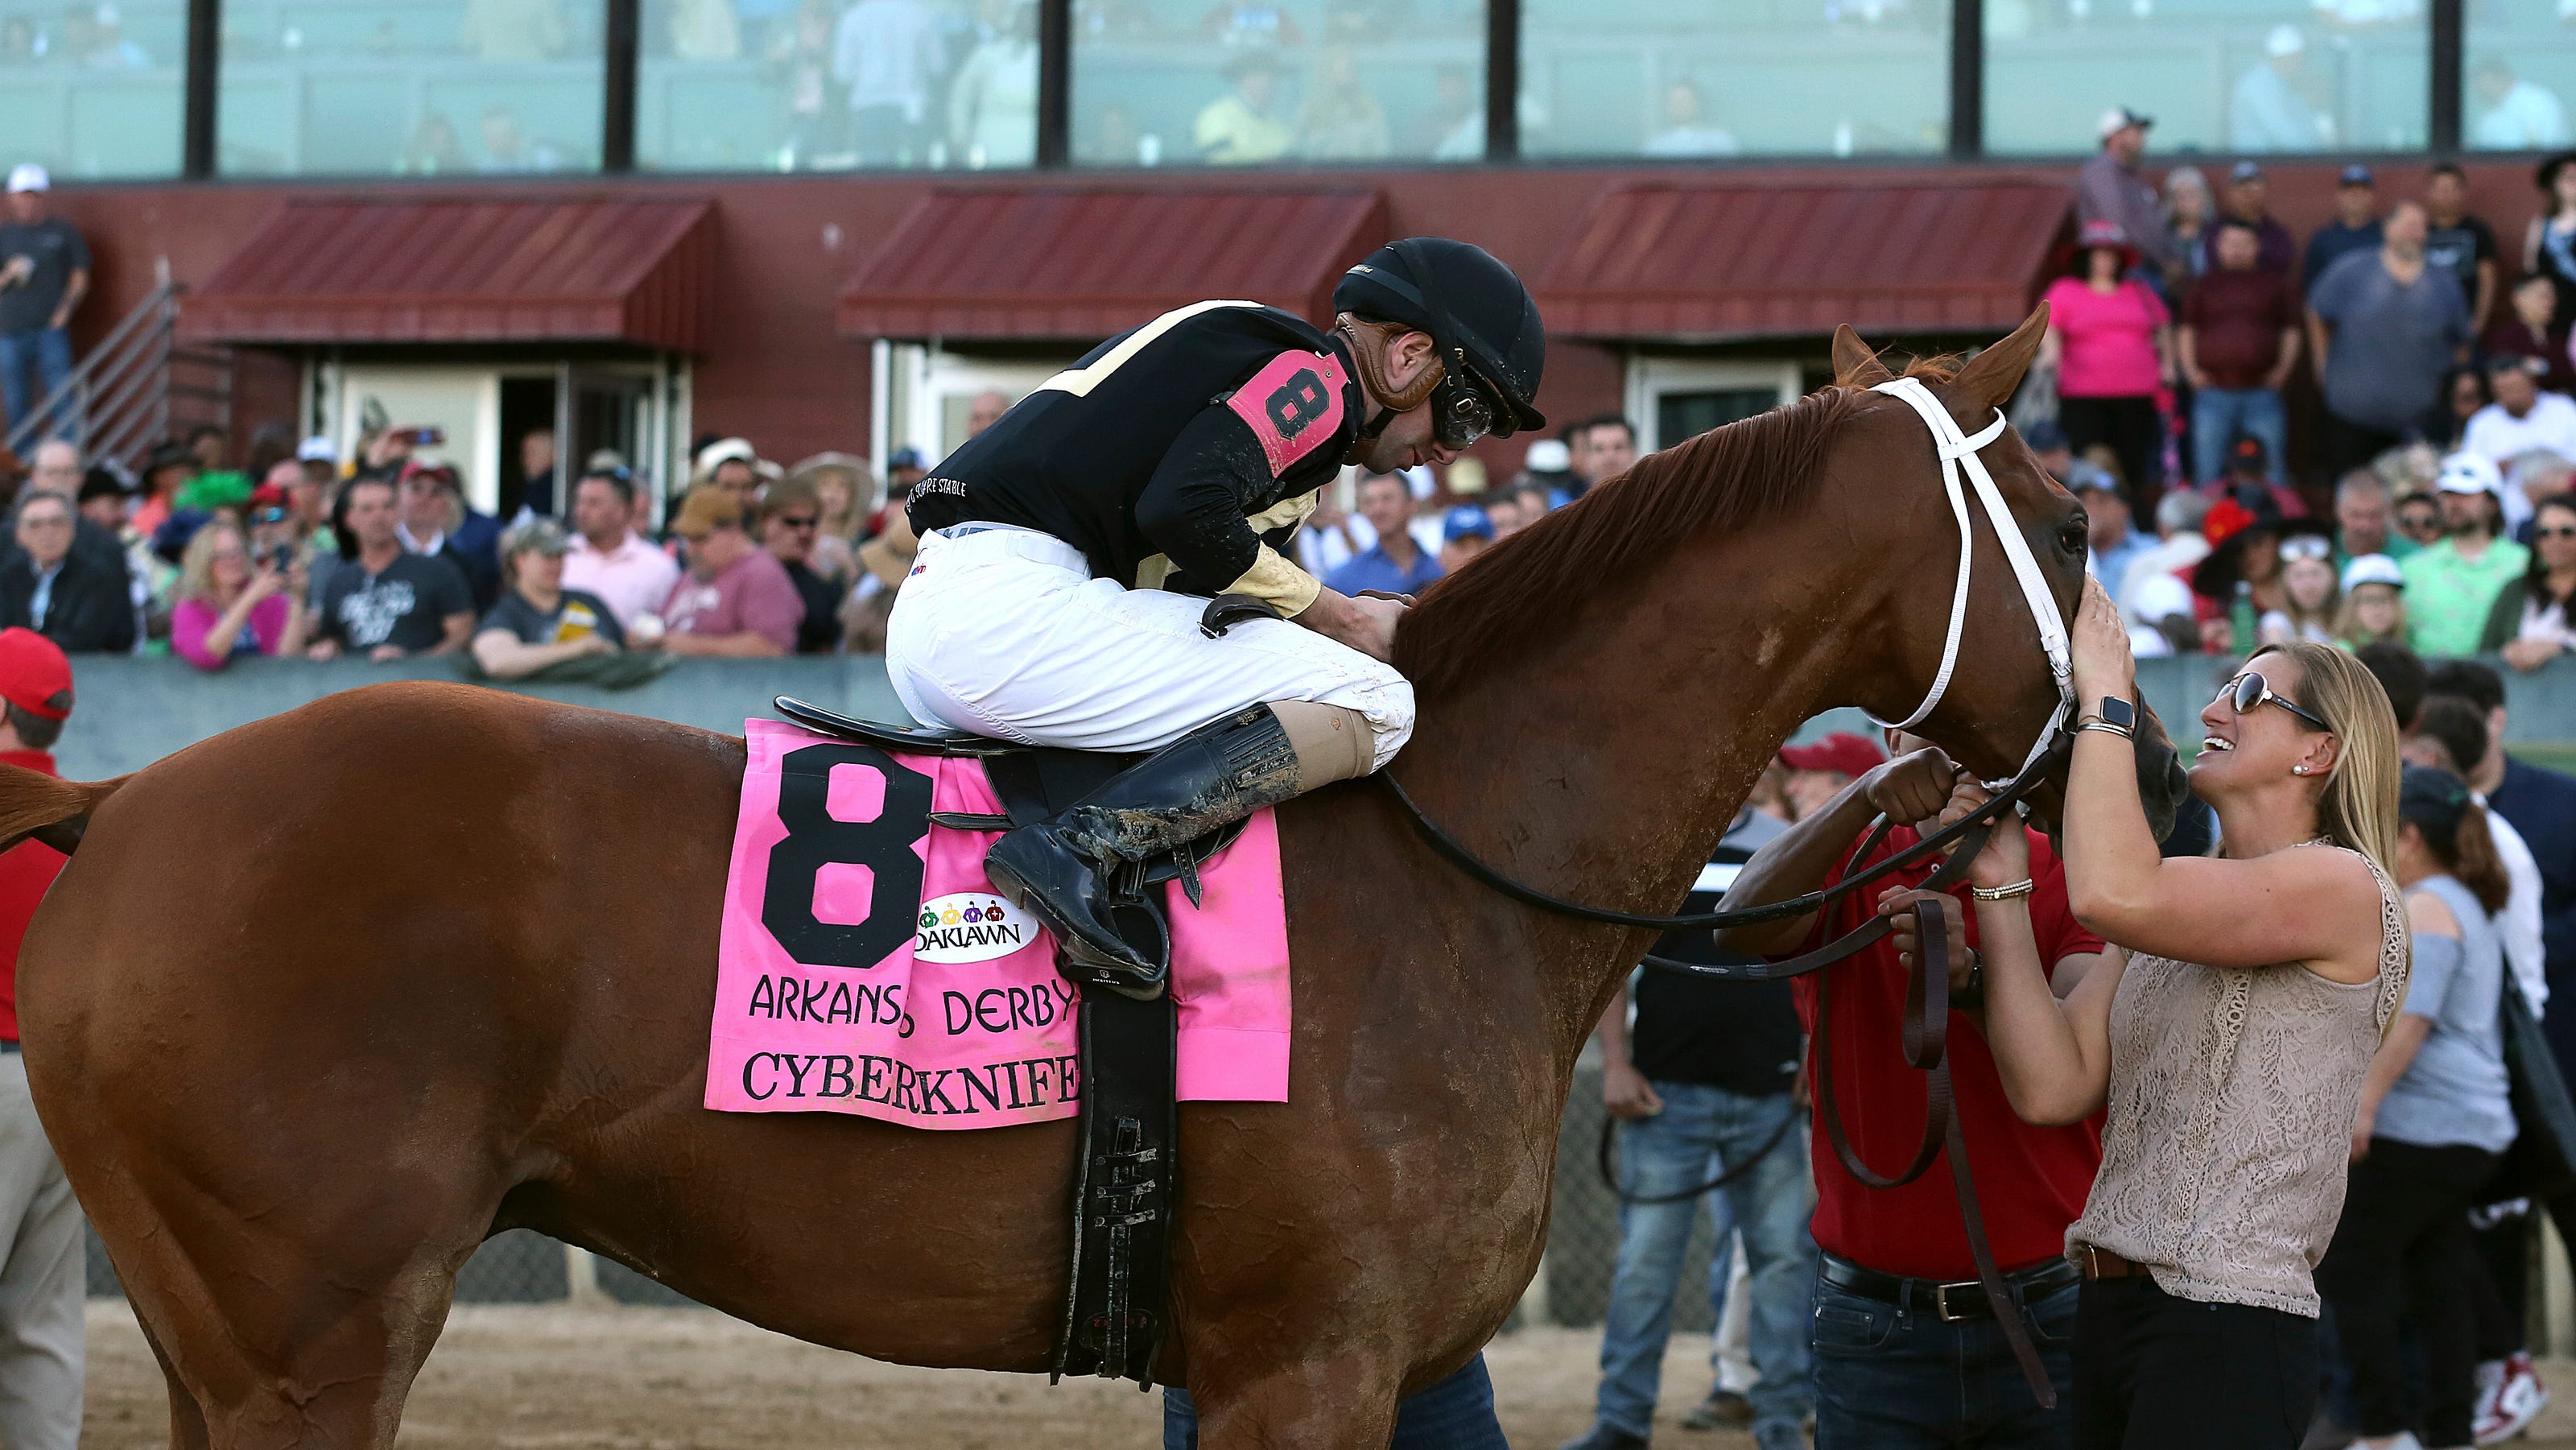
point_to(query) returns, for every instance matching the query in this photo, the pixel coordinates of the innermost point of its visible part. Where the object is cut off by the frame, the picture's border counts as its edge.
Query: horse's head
(2001, 690)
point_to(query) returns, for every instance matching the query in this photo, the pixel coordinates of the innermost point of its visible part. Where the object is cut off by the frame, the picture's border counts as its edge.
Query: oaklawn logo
(969, 926)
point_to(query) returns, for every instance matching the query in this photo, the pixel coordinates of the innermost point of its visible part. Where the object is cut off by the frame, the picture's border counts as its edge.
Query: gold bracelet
(2024, 887)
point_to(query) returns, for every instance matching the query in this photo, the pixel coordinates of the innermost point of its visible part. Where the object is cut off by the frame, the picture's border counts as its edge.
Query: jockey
(1052, 600)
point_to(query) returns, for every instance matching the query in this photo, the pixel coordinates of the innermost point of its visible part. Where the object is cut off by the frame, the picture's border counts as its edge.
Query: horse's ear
(1988, 381)
(1855, 365)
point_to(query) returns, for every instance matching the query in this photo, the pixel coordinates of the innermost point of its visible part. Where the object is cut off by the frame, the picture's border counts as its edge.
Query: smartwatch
(2113, 714)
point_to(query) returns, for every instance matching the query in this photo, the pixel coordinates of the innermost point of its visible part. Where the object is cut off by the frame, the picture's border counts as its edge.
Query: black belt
(1949, 1303)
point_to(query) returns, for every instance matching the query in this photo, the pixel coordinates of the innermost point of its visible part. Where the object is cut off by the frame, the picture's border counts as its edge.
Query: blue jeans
(1700, 1130)
(1891, 1380)
(2219, 414)
(26, 358)
(1455, 1414)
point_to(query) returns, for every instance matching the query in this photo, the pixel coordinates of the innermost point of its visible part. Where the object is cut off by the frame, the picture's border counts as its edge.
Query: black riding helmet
(1483, 319)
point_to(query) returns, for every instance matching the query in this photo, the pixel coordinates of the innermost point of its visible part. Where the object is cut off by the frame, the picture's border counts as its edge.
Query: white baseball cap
(2284, 40)
(28, 176)
(2470, 473)
(2159, 596)
(2372, 569)
(317, 448)
(1548, 455)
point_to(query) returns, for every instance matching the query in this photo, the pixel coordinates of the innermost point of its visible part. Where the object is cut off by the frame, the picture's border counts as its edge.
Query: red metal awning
(1745, 259)
(1081, 263)
(448, 270)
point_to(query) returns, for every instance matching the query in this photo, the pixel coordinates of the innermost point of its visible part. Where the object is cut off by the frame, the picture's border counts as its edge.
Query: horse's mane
(1522, 591)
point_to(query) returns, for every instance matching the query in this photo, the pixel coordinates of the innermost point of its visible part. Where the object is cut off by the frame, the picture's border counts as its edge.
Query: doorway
(527, 405)
(1673, 399)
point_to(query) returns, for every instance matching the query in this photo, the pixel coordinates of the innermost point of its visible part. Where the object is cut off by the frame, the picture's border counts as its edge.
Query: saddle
(1118, 1285)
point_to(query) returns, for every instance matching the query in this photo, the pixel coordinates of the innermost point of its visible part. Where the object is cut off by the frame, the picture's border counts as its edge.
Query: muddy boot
(1062, 868)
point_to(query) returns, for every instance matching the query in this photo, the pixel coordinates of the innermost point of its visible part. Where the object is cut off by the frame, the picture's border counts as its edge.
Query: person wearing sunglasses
(2309, 593)
(791, 518)
(2534, 618)
(1052, 600)
(2228, 1050)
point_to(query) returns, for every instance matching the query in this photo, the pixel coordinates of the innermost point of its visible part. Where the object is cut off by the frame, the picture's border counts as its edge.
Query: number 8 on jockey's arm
(1177, 461)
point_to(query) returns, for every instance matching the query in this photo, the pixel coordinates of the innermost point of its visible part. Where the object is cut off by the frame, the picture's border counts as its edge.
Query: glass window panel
(1283, 82)
(94, 90)
(2522, 73)
(801, 85)
(2229, 76)
(409, 87)
(1672, 78)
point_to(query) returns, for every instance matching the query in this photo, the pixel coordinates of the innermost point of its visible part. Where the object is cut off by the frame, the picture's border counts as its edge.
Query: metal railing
(134, 387)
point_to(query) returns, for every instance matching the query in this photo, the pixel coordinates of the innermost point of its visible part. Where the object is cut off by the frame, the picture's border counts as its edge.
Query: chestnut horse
(323, 1002)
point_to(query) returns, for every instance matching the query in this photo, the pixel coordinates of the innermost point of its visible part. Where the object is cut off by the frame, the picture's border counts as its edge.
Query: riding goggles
(1461, 412)
(2249, 691)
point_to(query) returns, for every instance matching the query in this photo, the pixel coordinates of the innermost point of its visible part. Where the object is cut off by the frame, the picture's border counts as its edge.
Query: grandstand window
(2224, 76)
(1687, 78)
(1277, 82)
(410, 87)
(2521, 80)
(93, 90)
(802, 85)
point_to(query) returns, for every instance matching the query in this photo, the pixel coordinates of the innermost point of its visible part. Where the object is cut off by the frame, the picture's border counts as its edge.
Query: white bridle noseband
(1958, 454)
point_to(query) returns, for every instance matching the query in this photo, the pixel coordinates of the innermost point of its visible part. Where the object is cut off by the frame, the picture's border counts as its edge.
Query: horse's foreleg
(304, 1333)
(1322, 1404)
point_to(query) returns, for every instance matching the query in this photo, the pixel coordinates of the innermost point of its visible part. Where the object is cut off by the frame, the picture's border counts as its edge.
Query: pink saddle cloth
(866, 966)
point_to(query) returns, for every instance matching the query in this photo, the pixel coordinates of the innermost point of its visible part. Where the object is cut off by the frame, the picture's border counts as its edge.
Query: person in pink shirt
(735, 598)
(229, 604)
(2111, 341)
(608, 558)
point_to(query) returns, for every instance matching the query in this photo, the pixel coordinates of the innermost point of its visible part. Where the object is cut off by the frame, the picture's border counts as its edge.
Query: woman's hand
(265, 582)
(2103, 664)
(1898, 904)
(2529, 654)
(2006, 857)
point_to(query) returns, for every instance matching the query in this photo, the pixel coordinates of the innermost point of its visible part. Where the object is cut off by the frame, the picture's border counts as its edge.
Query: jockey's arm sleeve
(1194, 508)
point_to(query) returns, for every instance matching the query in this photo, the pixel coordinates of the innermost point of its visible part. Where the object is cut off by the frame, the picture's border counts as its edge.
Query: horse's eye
(2073, 539)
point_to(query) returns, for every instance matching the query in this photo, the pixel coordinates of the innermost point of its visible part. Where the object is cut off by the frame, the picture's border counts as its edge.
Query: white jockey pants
(1004, 632)
(43, 1279)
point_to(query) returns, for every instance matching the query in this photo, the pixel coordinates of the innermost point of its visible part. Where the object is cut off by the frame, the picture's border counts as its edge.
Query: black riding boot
(1062, 868)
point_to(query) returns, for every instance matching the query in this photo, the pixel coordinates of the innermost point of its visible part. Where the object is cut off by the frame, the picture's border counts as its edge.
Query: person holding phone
(231, 604)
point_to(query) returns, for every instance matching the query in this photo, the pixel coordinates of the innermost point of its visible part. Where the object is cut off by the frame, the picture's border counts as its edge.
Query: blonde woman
(2228, 1053)
(2374, 603)
(228, 604)
(849, 492)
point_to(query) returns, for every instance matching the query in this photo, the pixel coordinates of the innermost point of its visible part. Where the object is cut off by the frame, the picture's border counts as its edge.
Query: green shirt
(2447, 597)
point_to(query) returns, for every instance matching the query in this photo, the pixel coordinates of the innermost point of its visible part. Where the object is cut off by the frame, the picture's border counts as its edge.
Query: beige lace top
(2230, 1119)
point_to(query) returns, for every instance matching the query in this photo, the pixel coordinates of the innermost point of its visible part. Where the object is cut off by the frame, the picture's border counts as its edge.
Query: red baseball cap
(34, 674)
(1841, 752)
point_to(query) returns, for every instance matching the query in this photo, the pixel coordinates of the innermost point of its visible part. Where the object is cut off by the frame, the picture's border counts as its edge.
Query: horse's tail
(41, 807)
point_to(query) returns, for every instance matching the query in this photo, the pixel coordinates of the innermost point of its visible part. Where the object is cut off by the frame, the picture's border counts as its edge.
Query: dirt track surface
(682, 1379)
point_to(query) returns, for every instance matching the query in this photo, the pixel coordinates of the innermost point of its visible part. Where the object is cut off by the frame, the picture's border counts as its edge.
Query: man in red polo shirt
(1906, 1351)
(43, 1276)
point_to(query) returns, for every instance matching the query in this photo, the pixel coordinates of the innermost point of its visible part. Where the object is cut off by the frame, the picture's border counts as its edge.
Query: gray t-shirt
(2392, 342)
(2455, 1091)
(406, 605)
(56, 251)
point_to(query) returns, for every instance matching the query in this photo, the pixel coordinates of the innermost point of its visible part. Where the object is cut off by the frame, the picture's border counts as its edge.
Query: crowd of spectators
(379, 556)
(2436, 507)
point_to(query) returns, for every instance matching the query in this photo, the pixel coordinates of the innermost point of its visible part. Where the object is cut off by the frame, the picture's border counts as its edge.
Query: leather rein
(1927, 993)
